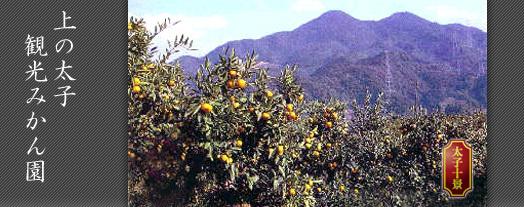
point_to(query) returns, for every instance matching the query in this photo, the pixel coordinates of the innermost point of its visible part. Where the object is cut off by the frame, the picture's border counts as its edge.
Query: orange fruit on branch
(329, 124)
(289, 107)
(389, 179)
(307, 187)
(292, 115)
(224, 157)
(292, 192)
(171, 83)
(332, 165)
(136, 89)
(269, 94)
(316, 153)
(308, 140)
(230, 84)
(354, 170)
(136, 81)
(266, 116)
(308, 145)
(232, 73)
(342, 188)
(131, 154)
(238, 143)
(206, 108)
(280, 150)
(236, 105)
(241, 83)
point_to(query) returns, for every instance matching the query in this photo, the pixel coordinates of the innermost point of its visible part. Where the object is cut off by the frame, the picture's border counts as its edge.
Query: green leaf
(251, 180)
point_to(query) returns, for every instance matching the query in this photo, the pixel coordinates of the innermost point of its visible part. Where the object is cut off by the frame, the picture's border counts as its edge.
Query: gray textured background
(505, 103)
(86, 142)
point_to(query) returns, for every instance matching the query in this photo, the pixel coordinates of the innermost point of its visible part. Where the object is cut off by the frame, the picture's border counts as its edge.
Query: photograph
(307, 103)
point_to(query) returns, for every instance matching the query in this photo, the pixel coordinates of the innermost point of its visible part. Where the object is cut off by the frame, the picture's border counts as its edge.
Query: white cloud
(447, 14)
(307, 5)
(194, 27)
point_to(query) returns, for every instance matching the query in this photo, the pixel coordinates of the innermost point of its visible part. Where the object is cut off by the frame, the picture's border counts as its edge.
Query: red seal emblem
(457, 174)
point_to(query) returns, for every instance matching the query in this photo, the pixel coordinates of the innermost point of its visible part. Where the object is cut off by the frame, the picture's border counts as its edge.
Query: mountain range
(407, 57)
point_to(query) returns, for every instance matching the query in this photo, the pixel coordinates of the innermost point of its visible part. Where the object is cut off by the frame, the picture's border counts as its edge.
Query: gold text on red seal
(457, 177)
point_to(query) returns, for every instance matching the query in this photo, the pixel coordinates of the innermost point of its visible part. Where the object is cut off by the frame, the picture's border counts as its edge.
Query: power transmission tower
(416, 96)
(454, 50)
(389, 77)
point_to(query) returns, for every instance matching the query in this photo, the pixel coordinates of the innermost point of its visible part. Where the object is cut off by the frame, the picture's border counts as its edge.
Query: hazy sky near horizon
(213, 23)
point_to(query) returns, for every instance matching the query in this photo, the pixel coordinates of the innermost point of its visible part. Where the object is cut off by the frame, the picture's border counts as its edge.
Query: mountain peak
(403, 16)
(328, 20)
(336, 15)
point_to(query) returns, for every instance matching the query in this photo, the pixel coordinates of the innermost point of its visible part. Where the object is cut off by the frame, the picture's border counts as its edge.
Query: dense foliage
(235, 135)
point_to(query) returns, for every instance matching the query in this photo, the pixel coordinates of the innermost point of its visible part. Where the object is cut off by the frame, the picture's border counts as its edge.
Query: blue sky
(214, 22)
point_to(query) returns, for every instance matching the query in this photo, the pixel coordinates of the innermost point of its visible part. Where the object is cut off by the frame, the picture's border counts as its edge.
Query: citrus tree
(234, 135)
